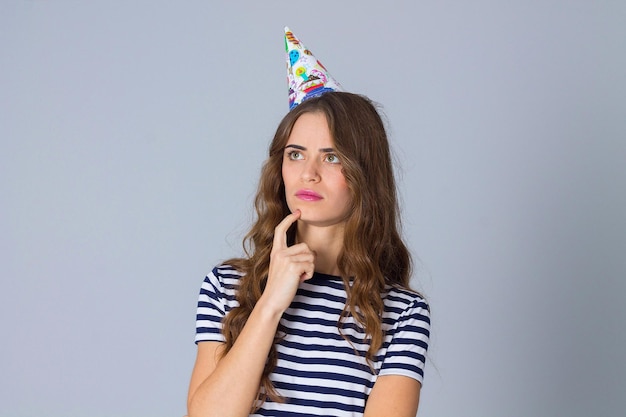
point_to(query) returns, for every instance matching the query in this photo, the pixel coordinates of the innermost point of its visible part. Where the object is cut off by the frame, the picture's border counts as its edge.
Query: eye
(332, 158)
(295, 155)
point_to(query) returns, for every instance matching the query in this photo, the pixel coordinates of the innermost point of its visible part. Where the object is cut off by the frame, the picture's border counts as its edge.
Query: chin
(318, 221)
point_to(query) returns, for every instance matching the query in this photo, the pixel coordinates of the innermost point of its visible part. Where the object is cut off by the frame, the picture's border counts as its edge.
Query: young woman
(318, 319)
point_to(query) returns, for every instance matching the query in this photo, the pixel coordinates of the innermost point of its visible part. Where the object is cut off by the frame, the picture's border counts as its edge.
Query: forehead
(311, 129)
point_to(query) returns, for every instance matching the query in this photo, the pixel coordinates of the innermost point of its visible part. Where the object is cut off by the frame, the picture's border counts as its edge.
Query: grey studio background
(131, 138)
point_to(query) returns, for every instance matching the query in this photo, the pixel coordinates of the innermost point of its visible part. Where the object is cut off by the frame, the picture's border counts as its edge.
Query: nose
(310, 171)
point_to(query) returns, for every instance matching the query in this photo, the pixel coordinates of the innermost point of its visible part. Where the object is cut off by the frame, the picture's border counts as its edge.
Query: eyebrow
(302, 148)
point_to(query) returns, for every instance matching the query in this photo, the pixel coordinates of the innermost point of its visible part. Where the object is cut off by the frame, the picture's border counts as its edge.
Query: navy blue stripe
(320, 348)
(326, 335)
(212, 292)
(333, 376)
(408, 340)
(208, 318)
(307, 333)
(226, 271)
(404, 366)
(396, 311)
(281, 413)
(320, 296)
(403, 307)
(397, 298)
(319, 390)
(309, 320)
(406, 353)
(329, 324)
(410, 294)
(416, 329)
(389, 321)
(414, 316)
(326, 361)
(231, 287)
(211, 330)
(216, 296)
(297, 305)
(326, 280)
(332, 405)
(210, 306)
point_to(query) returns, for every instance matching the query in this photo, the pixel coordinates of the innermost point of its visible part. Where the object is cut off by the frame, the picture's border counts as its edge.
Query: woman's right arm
(228, 385)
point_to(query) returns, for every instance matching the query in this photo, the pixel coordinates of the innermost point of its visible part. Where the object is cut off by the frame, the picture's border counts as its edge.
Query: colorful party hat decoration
(307, 76)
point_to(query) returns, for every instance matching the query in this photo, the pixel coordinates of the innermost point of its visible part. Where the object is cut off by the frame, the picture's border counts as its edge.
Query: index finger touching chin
(280, 232)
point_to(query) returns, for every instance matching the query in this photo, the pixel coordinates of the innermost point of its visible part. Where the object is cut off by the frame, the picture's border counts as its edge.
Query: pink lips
(308, 195)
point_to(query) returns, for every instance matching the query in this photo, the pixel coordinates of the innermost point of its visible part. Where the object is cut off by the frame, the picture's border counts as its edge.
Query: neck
(326, 242)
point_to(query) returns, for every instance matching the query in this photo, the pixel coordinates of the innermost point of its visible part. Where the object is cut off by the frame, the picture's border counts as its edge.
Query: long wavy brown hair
(373, 251)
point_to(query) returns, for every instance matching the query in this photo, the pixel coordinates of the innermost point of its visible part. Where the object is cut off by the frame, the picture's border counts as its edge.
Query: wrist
(268, 310)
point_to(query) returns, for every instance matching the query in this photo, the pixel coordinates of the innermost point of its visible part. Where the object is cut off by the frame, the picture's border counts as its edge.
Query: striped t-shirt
(318, 372)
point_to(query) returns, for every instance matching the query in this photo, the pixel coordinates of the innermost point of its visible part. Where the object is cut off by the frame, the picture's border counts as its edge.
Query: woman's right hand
(289, 266)
(226, 385)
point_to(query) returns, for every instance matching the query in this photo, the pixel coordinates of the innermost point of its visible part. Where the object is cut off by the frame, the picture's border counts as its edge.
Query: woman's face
(312, 173)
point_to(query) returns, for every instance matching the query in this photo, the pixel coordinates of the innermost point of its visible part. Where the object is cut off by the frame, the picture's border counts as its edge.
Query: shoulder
(219, 290)
(226, 271)
(225, 275)
(406, 304)
(218, 296)
(405, 298)
(222, 280)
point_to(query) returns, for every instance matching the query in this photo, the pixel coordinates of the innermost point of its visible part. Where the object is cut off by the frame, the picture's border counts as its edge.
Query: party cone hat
(306, 75)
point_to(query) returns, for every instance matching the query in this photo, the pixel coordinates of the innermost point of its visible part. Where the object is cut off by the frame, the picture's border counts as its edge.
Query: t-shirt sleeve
(406, 353)
(211, 309)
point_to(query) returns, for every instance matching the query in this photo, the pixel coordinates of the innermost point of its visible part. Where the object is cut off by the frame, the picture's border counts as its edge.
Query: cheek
(287, 175)
(284, 172)
(341, 185)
